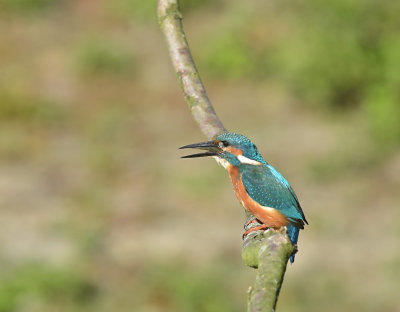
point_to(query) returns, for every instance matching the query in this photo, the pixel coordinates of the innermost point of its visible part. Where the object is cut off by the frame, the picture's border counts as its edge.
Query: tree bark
(170, 20)
(269, 252)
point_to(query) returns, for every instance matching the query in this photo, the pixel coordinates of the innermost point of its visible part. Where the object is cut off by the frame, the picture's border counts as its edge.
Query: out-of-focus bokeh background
(97, 211)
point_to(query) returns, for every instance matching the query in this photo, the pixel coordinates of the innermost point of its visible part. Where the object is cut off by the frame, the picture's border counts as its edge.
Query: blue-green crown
(243, 143)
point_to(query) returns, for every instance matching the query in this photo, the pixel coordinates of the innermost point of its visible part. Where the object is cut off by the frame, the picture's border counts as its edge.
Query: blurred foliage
(337, 54)
(24, 116)
(181, 288)
(91, 178)
(146, 10)
(382, 107)
(28, 108)
(134, 8)
(227, 54)
(187, 6)
(26, 6)
(97, 56)
(47, 287)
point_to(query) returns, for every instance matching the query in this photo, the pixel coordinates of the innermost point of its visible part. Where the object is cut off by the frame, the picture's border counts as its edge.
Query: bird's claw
(254, 228)
(251, 221)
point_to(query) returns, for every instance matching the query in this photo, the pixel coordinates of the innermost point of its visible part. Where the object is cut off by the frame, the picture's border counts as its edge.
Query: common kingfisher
(259, 187)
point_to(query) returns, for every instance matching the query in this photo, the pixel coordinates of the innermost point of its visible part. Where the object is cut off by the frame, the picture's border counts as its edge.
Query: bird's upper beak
(210, 146)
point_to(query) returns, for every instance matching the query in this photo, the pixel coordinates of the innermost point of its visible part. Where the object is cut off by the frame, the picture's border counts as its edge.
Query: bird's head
(234, 148)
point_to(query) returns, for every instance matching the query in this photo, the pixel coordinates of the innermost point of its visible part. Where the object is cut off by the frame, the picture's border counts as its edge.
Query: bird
(258, 186)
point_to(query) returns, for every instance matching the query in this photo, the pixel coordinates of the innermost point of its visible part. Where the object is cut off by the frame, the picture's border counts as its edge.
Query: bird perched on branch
(259, 187)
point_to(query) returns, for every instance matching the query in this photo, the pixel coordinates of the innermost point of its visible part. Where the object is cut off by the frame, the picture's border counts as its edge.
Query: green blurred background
(97, 211)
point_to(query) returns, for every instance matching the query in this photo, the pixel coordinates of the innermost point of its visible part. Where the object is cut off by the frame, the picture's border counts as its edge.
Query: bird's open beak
(210, 146)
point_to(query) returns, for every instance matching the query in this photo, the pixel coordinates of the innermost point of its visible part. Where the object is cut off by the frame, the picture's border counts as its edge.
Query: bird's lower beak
(210, 146)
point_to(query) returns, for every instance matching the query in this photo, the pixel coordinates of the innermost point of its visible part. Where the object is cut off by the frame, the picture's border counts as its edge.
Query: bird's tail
(293, 233)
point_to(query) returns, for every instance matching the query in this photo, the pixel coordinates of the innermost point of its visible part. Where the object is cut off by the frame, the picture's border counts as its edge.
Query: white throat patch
(248, 161)
(224, 163)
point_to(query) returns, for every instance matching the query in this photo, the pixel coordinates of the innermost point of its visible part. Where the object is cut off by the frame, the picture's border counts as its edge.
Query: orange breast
(267, 215)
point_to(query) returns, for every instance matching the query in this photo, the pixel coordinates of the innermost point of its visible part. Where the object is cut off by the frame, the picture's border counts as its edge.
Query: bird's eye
(222, 144)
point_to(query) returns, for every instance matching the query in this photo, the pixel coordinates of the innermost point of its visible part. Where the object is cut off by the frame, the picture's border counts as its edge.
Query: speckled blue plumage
(265, 185)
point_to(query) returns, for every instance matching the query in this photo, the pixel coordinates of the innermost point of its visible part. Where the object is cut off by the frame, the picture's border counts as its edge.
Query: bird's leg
(256, 228)
(252, 224)
(251, 220)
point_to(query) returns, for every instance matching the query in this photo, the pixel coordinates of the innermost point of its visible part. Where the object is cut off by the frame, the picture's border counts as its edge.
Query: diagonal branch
(170, 19)
(268, 251)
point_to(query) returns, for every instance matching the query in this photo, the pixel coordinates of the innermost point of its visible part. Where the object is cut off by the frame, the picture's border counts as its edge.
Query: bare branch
(170, 20)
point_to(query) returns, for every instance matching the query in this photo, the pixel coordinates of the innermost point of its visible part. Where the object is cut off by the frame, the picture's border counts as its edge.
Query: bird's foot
(256, 228)
(251, 221)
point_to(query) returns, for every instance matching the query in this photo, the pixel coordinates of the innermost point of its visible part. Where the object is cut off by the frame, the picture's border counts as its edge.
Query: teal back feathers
(263, 186)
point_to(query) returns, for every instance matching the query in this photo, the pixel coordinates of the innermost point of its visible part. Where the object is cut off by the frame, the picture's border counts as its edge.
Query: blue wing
(268, 187)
